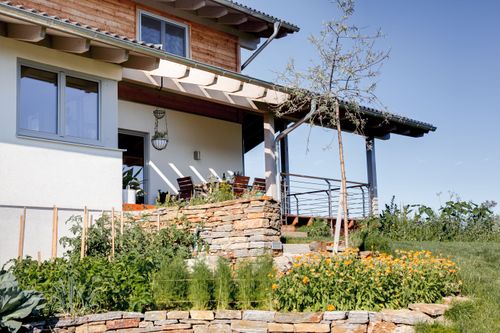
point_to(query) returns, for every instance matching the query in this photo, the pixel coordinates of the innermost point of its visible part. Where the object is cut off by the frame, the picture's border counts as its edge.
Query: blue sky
(444, 68)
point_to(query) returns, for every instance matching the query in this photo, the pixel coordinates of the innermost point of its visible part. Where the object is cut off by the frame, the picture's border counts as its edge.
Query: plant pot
(128, 196)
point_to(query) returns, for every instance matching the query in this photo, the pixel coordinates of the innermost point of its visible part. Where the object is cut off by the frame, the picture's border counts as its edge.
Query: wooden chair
(259, 185)
(186, 187)
(240, 185)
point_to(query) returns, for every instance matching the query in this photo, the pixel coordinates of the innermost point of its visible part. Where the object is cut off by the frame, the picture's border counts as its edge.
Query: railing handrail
(322, 178)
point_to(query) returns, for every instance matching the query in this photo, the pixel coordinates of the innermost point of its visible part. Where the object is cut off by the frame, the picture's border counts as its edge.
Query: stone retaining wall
(255, 321)
(233, 229)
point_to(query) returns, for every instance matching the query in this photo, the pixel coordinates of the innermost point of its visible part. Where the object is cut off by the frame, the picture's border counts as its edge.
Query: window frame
(60, 134)
(186, 27)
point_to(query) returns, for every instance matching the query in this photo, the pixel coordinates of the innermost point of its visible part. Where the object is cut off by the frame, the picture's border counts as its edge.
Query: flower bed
(347, 281)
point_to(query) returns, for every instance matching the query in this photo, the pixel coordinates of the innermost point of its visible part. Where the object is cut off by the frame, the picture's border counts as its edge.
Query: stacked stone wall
(234, 229)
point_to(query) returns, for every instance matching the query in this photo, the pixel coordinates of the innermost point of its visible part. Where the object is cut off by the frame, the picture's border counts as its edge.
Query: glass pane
(150, 30)
(175, 39)
(82, 108)
(38, 100)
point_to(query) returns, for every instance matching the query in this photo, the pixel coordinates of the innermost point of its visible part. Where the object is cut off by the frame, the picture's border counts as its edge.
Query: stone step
(294, 234)
(296, 249)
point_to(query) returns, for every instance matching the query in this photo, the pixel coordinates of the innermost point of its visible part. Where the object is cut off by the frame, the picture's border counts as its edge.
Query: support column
(285, 168)
(270, 156)
(371, 168)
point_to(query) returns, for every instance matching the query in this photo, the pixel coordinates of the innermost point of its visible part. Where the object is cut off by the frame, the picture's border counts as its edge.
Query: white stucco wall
(36, 172)
(220, 144)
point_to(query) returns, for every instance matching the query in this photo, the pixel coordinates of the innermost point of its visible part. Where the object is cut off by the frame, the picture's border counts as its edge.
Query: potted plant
(131, 185)
(159, 140)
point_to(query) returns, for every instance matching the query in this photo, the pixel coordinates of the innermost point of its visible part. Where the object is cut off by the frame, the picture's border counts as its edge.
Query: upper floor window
(172, 36)
(57, 105)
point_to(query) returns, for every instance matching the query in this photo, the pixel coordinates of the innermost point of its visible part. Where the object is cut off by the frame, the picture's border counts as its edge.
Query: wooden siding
(208, 45)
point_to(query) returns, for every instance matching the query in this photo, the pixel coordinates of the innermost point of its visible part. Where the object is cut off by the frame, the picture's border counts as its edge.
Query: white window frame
(187, 44)
(61, 114)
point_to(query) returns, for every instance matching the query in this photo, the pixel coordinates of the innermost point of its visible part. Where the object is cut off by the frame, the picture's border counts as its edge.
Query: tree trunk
(343, 178)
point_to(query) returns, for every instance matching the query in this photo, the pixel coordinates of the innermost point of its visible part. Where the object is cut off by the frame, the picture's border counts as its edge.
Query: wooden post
(112, 232)
(55, 232)
(84, 232)
(158, 221)
(39, 257)
(121, 223)
(22, 227)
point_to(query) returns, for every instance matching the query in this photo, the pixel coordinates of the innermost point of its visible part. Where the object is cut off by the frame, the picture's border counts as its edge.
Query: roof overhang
(248, 24)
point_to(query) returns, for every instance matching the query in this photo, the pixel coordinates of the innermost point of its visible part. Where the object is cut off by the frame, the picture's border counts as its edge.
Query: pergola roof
(148, 65)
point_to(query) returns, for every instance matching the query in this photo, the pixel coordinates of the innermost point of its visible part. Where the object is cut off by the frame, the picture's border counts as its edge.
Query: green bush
(454, 221)
(246, 285)
(223, 285)
(96, 283)
(200, 287)
(171, 284)
(319, 228)
(263, 273)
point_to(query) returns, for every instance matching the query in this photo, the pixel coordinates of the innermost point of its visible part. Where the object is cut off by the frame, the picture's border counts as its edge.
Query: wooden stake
(39, 257)
(112, 232)
(22, 227)
(158, 222)
(84, 233)
(121, 223)
(55, 231)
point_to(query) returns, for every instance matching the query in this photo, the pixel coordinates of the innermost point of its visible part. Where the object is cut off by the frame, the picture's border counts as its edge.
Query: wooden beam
(142, 63)
(108, 54)
(25, 32)
(253, 26)
(190, 4)
(70, 44)
(233, 19)
(212, 11)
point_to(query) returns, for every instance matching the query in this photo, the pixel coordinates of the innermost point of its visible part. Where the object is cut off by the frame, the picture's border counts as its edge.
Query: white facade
(41, 173)
(219, 143)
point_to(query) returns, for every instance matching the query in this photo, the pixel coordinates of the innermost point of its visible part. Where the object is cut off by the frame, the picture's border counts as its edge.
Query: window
(170, 35)
(55, 105)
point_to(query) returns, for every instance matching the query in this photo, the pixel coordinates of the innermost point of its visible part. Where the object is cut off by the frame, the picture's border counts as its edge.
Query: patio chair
(240, 185)
(186, 187)
(259, 185)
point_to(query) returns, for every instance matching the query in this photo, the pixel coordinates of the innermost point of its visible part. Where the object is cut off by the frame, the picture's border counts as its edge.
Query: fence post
(158, 221)
(22, 227)
(55, 231)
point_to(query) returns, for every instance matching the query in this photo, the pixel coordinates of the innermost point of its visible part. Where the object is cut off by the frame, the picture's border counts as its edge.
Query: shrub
(454, 221)
(171, 284)
(223, 285)
(347, 282)
(200, 287)
(263, 274)
(319, 228)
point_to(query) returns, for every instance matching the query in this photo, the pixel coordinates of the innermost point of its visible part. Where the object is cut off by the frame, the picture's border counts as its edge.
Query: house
(82, 82)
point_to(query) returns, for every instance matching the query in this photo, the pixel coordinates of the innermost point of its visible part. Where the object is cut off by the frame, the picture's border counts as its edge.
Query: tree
(339, 81)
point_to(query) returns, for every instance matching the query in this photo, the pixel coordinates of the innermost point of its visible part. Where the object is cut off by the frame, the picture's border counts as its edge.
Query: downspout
(277, 26)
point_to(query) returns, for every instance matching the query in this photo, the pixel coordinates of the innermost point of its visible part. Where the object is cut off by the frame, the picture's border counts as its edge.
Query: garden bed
(194, 321)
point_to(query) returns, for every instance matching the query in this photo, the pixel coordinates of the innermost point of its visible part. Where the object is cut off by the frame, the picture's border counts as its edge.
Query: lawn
(479, 264)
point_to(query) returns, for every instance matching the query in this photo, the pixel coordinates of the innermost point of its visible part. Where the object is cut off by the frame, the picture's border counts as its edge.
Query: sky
(444, 69)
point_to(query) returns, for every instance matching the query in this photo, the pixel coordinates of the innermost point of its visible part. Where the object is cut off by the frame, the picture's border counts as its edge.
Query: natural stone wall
(255, 321)
(233, 229)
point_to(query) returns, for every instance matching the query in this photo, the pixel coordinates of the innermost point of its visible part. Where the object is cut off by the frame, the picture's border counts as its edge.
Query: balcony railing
(317, 197)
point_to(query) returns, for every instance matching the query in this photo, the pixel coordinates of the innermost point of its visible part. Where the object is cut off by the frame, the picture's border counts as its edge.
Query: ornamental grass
(318, 282)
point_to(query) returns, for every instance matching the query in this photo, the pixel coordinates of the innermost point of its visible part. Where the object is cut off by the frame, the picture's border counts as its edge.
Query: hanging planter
(159, 140)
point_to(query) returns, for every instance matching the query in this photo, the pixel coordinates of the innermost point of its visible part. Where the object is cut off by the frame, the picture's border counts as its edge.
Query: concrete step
(294, 234)
(295, 249)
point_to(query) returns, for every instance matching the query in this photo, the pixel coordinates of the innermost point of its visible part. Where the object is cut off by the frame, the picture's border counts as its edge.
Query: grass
(479, 264)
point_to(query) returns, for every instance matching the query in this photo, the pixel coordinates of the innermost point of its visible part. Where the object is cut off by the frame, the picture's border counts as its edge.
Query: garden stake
(55, 226)
(84, 233)
(22, 225)
(112, 232)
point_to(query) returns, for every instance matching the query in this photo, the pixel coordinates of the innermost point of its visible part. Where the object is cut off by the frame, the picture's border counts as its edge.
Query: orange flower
(305, 280)
(274, 286)
(330, 307)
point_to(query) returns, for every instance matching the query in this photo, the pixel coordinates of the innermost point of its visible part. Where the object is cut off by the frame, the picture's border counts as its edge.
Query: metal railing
(311, 196)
